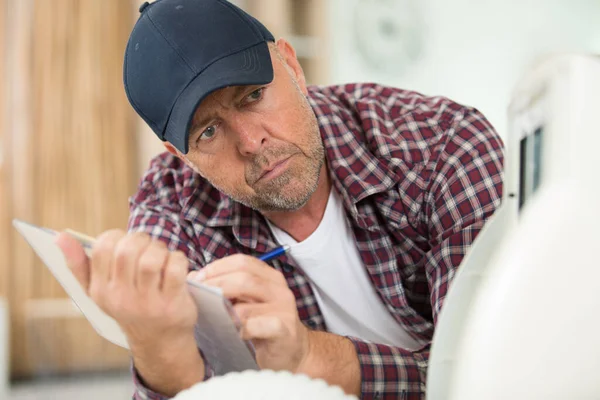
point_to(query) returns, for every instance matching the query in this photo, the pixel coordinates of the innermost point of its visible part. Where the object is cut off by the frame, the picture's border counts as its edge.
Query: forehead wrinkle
(207, 109)
(214, 101)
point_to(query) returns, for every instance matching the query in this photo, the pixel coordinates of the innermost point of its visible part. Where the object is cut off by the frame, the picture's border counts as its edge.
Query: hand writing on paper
(141, 284)
(266, 308)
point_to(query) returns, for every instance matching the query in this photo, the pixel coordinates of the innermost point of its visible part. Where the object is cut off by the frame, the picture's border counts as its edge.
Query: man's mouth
(273, 170)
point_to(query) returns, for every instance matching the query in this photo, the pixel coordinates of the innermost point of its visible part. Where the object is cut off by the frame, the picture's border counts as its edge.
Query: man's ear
(289, 56)
(171, 149)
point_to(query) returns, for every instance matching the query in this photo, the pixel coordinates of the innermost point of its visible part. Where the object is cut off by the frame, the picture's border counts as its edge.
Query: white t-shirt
(347, 298)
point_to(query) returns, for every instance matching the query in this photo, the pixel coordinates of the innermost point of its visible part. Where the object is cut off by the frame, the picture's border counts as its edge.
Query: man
(380, 191)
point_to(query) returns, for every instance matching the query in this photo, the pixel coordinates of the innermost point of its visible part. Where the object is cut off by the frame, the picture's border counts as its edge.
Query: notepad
(217, 335)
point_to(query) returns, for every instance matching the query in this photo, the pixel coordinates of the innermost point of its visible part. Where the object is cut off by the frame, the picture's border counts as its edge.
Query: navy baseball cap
(180, 51)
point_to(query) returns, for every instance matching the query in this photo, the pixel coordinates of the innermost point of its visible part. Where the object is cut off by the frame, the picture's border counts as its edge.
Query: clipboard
(216, 333)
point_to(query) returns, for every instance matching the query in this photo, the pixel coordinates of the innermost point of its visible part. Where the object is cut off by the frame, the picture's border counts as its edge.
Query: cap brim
(251, 66)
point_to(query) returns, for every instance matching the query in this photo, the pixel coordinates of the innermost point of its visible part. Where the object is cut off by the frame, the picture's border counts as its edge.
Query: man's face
(260, 145)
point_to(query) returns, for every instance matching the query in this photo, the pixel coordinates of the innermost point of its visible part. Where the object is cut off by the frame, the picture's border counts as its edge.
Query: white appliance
(521, 318)
(263, 385)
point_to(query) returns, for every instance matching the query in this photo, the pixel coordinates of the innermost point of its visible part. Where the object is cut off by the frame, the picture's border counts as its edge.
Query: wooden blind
(5, 203)
(73, 163)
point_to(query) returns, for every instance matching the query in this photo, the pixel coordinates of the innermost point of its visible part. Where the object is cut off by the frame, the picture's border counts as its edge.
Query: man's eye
(256, 95)
(208, 133)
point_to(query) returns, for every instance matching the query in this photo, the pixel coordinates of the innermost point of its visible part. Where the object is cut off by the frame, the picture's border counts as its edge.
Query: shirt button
(287, 268)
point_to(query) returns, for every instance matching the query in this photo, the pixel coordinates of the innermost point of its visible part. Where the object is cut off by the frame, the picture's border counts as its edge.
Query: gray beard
(272, 198)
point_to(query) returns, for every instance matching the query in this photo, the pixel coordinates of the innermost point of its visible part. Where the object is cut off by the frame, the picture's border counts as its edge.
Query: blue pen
(275, 253)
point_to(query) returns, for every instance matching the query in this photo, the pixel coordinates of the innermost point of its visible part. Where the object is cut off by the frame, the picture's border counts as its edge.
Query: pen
(275, 253)
(86, 241)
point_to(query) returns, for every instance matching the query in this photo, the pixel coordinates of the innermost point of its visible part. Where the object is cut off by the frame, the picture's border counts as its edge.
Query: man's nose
(251, 136)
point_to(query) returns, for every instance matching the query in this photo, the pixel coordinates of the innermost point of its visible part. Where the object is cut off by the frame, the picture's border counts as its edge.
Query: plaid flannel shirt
(419, 176)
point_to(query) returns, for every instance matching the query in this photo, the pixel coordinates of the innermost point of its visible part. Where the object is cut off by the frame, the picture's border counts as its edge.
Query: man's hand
(266, 307)
(141, 284)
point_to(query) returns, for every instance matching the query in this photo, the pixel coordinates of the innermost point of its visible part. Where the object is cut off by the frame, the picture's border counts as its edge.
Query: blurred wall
(68, 156)
(471, 51)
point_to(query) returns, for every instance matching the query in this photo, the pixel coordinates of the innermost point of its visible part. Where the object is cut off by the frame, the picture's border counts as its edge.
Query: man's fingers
(150, 267)
(103, 257)
(245, 311)
(262, 327)
(244, 286)
(174, 273)
(76, 258)
(128, 252)
(236, 263)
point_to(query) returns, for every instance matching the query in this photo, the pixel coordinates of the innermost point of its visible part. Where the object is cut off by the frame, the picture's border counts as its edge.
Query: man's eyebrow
(236, 93)
(197, 125)
(249, 88)
(239, 89)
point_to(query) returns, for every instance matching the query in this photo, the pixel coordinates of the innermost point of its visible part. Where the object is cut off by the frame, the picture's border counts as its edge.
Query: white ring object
(263, 385)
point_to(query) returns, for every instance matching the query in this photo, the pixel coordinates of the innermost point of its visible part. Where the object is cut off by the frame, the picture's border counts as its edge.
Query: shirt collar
(356, 172)
(205, 204)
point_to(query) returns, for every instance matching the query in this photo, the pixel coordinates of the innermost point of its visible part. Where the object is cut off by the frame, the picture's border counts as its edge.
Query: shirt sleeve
(142, 392)
(465, 191)
(162, 222)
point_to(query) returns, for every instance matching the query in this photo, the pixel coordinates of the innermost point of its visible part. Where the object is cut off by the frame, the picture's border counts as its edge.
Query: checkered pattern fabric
(419, 176)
